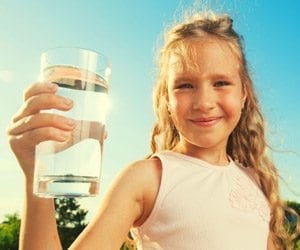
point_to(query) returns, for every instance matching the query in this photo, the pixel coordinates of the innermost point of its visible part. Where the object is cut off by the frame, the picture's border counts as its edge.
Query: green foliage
(297, 245)
(291, 222)
(9, 232)
(294, 205)
(129, 244)
(70, 220)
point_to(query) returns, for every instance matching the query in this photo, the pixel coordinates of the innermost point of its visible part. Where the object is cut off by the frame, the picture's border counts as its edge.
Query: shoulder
(143, 171)
(147, 175)
(144, 177)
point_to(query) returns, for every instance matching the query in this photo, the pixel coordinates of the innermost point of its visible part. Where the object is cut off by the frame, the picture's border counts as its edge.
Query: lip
(205, 121)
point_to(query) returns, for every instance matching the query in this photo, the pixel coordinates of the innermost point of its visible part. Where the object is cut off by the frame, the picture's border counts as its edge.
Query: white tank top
(201, 206)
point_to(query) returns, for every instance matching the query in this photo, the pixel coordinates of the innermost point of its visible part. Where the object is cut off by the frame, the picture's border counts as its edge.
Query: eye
(221, 83)
(185, 85)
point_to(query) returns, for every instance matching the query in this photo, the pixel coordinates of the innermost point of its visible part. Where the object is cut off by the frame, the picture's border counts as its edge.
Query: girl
(208, 183)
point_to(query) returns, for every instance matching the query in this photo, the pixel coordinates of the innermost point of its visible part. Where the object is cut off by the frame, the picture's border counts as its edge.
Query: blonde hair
(247, 144)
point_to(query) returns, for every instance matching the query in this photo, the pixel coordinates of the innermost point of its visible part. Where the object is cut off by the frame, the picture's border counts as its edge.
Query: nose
(204, 99)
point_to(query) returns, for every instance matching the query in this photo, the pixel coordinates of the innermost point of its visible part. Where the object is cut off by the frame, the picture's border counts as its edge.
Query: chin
(207, 143)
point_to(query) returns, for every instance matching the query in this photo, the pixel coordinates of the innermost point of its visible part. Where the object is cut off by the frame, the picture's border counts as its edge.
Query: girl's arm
(127, 203)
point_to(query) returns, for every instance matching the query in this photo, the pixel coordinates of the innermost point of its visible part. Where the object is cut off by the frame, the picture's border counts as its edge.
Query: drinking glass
(73, 168)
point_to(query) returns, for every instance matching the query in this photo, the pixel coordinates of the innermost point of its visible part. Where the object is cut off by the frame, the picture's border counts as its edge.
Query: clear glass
(73, 168)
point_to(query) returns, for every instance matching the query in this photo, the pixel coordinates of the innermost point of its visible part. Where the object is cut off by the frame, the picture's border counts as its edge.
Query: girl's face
(205, 95)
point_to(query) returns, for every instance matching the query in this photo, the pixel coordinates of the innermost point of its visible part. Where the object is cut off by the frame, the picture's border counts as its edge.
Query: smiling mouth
(206, 122)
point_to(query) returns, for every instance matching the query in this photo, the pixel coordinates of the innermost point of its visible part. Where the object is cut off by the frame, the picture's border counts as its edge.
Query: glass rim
(45, 51)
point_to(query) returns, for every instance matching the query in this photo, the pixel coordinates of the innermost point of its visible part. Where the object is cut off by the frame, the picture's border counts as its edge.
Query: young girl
(208, 183)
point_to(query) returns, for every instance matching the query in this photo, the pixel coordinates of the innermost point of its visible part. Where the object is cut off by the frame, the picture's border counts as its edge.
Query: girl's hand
(30, 126)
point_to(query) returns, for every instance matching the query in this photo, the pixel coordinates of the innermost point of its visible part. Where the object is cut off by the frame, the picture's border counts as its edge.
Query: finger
(39, 88)
(36, 103)
(34, 137)
(40, 120)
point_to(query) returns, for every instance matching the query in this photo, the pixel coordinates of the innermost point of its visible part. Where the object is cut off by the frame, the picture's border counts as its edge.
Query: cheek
(178, 108)
(232, 106)
(179, 105)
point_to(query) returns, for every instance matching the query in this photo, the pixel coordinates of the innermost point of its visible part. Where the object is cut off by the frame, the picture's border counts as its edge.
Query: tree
(9, 232)
(70, 220)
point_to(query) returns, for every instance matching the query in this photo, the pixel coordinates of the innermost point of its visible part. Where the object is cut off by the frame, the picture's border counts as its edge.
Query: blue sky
(129, 32)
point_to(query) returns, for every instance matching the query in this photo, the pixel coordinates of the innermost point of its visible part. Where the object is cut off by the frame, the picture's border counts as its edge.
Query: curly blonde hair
(247, 144)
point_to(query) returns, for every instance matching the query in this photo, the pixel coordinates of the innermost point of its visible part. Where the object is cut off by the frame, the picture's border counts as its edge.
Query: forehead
(206, 56)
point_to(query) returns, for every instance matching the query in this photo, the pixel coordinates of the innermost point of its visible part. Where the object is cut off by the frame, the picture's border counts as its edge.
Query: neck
(216, 156)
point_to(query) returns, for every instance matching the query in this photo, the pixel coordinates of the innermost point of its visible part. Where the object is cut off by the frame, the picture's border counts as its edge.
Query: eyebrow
(185, 77)
(223, 76)
(194, 76)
